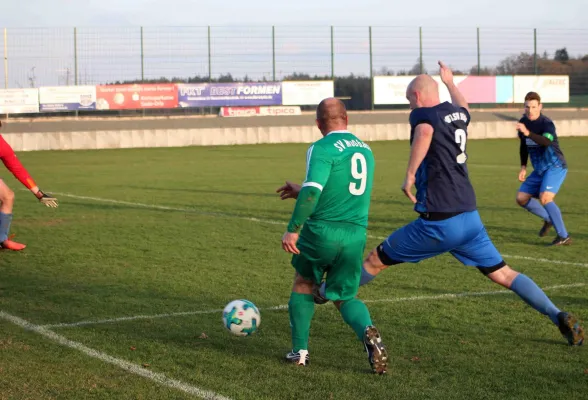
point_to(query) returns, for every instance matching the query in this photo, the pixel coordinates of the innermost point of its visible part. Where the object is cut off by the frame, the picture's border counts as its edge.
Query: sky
(40, 40)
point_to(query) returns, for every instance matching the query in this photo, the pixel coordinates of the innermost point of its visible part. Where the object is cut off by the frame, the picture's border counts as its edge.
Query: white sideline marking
(136, 317)
(166, 208)
(263, 221)
(515, 168)
(285, 306)
(464, 294)
(545, 260)
(130, 367)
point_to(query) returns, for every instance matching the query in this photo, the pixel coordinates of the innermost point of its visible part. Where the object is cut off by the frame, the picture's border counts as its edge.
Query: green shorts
(334, 249)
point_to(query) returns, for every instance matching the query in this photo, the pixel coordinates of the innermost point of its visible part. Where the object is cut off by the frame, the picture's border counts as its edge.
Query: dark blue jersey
(442, 180)
(542, 157)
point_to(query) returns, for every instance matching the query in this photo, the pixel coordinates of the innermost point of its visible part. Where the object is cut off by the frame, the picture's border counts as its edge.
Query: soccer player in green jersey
(328, 230)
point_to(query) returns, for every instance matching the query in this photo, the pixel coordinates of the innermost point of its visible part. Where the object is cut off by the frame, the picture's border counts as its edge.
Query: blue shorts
(464, 236)
(550, 181)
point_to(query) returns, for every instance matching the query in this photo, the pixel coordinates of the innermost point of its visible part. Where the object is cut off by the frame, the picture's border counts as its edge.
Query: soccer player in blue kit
(446, 202)
(539, 140)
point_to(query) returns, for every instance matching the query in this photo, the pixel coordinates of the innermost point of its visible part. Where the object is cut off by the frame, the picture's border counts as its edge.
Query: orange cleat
(10, 245)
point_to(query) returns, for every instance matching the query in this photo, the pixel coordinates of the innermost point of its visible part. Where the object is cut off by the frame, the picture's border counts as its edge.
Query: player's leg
(7, 199)
(526, 198)
(532, 294)
(481, 253)
(314, 255)
(415, 242)
(301, 311)
(412, 243)
(552, 181)
(342, 283)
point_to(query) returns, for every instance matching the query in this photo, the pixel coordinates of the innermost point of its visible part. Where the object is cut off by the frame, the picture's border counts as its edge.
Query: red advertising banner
(129, 97)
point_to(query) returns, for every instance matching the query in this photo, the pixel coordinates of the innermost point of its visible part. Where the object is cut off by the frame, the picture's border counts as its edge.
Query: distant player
(539, 139)
(446, 202)
(7, 196)
(333, 205)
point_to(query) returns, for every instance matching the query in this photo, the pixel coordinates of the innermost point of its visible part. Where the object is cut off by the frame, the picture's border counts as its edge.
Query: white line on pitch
(127, 366)
(545, 260)
(166, 208)
(261, 220)
(285, 307)
(136, 317)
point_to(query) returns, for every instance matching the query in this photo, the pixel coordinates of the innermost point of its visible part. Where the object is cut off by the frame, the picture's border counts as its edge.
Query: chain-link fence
(80, 56)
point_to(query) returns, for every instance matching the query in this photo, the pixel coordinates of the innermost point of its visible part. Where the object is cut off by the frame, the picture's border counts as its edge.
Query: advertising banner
(230, 94)
(551, 88)
(19, 101)
(67, 98)
(476, 89)
(259, 111)
(391, 89)
(138, 96)
(301, 93)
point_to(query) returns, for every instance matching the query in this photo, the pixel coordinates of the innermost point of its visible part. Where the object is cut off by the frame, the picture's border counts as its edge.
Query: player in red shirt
(7, 195)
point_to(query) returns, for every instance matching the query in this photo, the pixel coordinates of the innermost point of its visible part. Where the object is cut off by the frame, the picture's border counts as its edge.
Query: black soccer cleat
(559, 241)
(301, 358)
(377, 354)
(570, 329)
(316, 294)
(545, 229)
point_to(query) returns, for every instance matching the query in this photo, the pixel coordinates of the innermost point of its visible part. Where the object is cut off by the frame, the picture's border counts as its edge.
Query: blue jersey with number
(442, 180)
(543, 157)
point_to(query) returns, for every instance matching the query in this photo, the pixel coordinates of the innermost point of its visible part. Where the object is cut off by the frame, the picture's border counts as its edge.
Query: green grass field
(167, 237)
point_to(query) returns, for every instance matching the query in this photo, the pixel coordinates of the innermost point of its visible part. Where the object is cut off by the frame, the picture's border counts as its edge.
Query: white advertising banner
(19, 101)
(551, 88)
(301, 93)
(67, 98)
(392, 89)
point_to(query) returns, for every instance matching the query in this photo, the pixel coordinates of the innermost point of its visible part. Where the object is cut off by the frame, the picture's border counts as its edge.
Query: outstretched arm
(13, 164)
(457, 98)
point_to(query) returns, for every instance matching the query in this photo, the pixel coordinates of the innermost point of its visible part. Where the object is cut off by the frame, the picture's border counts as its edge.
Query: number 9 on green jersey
(342, 167)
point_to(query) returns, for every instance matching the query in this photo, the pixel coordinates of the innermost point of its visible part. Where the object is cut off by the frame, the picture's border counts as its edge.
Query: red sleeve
(13, 164)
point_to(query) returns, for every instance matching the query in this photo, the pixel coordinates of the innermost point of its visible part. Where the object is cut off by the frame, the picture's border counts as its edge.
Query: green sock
(301, 310)
(355, 313)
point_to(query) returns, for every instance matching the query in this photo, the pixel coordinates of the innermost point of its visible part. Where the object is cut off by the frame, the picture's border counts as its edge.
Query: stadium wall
(174, 137)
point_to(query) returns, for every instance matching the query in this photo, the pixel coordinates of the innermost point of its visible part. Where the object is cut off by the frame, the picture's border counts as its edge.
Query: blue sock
(534, 207)
(5, 220)
(534, 296)
(365, 278)
(556, 219)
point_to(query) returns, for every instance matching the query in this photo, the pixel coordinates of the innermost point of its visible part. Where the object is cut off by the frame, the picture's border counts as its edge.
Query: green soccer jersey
(341, 166)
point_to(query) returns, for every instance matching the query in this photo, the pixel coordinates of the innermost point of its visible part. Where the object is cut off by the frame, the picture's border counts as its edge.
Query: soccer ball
(241, 317)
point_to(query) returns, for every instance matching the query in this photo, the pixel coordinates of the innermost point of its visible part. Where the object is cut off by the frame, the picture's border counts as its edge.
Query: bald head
(422, 91)
(331, 115)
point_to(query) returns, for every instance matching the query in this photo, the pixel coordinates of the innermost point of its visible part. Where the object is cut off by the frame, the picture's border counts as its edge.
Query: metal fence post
(332, 54)
(535, 51)
(142, 58)
(209, 58)
(5, 58)
(421, 48)
(274, 52)
(371, 68)
(76, 55)
(478, 40)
